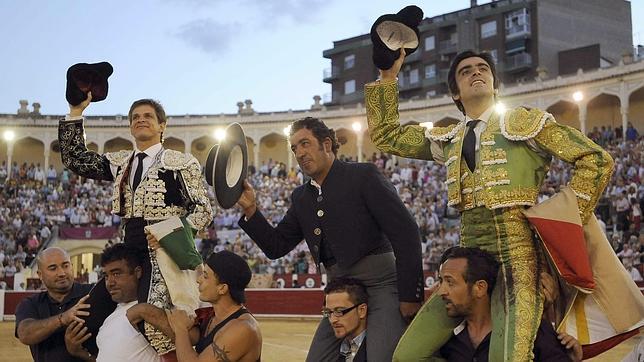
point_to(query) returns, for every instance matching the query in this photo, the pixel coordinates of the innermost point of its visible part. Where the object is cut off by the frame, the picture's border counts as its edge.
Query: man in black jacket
(356, 225)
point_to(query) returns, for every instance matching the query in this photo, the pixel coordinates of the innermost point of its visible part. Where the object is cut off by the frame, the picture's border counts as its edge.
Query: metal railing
(517, 61)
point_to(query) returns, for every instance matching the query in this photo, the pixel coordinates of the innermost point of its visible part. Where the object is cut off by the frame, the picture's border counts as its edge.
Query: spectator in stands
(42, 318)
(343, 214)
(467, 278)
(345, 306)
(631, 133)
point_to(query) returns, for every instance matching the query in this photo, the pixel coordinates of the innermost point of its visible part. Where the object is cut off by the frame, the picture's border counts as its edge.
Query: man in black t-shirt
(41, 318)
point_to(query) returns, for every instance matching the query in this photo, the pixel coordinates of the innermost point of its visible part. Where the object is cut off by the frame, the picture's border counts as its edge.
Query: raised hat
(227, 166)
(83, 78)
(391, 32)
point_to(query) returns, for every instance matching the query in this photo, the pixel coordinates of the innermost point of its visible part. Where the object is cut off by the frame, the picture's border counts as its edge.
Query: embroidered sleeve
(592, 165)
(384, 127)
(76, 156)
(200, 212)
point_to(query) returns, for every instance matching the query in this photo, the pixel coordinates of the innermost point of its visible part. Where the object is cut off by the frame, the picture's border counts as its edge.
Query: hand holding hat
(392, 32)
(227, 166)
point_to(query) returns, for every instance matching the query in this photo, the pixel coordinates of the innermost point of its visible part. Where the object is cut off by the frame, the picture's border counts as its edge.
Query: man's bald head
(55, 270)
(48, 253)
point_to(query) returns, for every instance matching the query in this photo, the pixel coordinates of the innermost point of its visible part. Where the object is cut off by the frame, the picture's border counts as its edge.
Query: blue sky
(195, 56)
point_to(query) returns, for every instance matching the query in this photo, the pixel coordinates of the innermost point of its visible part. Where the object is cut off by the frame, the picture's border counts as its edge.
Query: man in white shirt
(117, 339)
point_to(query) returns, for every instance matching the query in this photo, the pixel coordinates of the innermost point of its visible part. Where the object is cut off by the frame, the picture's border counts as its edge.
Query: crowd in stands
(33, 201)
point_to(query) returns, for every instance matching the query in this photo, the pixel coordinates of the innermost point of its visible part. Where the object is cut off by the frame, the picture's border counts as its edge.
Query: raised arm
(381, 100)
(74, 152)
(275, 242)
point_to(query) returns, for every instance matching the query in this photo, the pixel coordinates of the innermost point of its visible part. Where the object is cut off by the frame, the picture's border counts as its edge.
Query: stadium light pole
(357, 128)
(9, 136)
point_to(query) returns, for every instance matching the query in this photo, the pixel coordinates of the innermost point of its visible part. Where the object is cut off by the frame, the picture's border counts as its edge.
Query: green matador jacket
(513, 158)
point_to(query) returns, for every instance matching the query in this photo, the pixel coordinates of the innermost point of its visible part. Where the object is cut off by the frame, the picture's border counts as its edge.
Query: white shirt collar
(484, 117)
(459, 328)
(152, 151)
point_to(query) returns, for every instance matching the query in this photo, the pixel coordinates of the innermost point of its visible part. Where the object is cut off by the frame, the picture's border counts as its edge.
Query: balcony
(330, 74)
(516, 31)
(517, 62)
(447, 47)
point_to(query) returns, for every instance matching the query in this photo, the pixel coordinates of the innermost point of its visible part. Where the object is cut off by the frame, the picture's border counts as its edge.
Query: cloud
(208, 35)
(298, 11)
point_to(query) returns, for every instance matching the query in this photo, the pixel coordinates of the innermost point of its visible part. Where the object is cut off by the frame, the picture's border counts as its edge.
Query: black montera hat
(391, 32)
(83, 78)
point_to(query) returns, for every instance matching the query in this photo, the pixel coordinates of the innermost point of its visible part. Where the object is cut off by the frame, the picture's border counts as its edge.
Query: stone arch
(636, 109)
(200, 148)
(118, 144)
(29, 150)
(173, 143)
(348, 141)
(273, 146)
(565, 113)
(603, 110)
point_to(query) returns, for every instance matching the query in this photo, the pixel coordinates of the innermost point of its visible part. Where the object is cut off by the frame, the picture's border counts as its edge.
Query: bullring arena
(288, 316)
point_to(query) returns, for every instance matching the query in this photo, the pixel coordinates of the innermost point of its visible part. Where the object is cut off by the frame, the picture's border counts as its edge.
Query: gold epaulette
(521, 123)
(119, 158)
(175, 160)
(444, 133)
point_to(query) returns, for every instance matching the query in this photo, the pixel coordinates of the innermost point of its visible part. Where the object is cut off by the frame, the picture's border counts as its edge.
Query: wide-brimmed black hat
(83, 78)
(391, 32)
(227, 166)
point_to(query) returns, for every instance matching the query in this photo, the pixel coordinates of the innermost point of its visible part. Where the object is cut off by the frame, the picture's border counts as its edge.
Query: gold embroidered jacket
(513, 157)
(173, 185)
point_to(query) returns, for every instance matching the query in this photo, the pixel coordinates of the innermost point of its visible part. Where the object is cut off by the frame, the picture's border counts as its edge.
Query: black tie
(469, 145)
(139, 171)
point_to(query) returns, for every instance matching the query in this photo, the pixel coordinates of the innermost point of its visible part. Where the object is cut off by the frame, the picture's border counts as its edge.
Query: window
(488, 29)
(430, 71)
(430, 43)
(349, 86)
(413, 76)
(349, 61)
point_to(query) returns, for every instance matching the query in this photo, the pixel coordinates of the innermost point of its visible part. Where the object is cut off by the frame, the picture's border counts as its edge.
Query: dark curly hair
(120, 251)
(319, 130)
